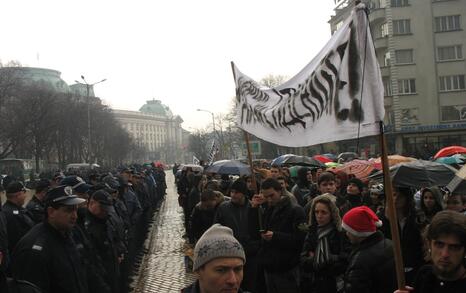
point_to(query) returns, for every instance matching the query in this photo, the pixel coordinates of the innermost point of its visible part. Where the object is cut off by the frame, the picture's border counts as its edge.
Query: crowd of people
(78, 235)
(322, 231)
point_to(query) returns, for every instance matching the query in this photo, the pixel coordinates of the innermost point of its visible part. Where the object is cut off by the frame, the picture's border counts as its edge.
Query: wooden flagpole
(390, 206)
(248, 148)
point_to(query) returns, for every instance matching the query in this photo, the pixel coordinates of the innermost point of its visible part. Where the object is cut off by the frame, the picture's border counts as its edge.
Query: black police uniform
(50, 260)
(18, 222)
(36, 208)
(101, 236)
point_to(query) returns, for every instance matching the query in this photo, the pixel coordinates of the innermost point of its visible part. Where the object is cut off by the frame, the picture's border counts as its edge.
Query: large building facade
(156, 130)
(420, 45)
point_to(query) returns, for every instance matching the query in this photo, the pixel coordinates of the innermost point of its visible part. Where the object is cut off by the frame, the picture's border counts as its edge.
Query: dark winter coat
(286, 221)
(18, 222)
(324, 275)
(49, 260)
(371, 267)
(244, 223)
(411, 244)
(427, 282)
(37, 209)
(201, 220)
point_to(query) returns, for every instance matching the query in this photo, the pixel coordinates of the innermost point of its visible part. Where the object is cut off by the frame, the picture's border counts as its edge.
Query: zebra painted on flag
(337, 96)
(213, 151)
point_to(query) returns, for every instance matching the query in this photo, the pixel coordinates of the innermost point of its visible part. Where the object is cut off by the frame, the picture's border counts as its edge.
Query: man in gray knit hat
(218, 262)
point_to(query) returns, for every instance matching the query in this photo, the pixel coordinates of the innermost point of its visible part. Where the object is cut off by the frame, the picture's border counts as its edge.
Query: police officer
(101, 235)
(47, 256)
(36, 206)
(18, 219)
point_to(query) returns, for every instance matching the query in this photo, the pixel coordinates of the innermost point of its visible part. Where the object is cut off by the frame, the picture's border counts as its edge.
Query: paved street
(162, 268)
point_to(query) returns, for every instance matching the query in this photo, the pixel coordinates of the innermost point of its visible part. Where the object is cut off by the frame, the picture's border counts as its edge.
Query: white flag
(338, 94)
(213, 151)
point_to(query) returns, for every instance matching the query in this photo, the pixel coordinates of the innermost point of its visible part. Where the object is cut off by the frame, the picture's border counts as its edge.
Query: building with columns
(156, 130)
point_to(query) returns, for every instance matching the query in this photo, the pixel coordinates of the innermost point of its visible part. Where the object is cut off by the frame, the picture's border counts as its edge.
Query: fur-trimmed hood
(329, 200)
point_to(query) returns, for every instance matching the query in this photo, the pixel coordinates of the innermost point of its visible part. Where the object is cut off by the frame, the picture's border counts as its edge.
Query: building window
(447, 23)
(454, 113)
(452, 83)
(386, 59)
(446, 53)
(399, 3)
(401, 27)
(404, 56)
(409, 116)
(406, 86)
(387, 86)
(384, 30)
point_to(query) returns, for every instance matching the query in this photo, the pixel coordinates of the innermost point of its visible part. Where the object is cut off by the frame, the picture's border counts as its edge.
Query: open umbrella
(449, 151)
(395, 159)
(359, 168)
(419, 174)
(322, 158)
(347, 156)
(331, 156)
(333, 165)
(230, 167)
(195, 168)
(453, 160)
(295, 160)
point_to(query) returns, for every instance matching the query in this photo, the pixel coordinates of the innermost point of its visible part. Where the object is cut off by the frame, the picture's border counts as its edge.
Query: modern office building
(155, 128)
(420, 45)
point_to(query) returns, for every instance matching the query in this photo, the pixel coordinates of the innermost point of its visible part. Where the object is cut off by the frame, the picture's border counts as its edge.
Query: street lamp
(213, 118)
(88, 85)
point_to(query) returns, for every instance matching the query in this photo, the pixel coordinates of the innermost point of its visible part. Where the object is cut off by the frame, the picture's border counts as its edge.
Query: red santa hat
(361, 222)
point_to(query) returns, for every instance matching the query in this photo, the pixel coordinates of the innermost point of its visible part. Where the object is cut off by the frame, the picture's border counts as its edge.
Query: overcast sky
(176, 51)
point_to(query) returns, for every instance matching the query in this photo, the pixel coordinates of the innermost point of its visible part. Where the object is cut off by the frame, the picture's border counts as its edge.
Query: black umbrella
(347, 156)
(419, 174)
(294, 160)
(229, 167)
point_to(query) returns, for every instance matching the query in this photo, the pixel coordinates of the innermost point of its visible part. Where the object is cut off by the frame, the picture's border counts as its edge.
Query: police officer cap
(42, 184)
(15, 187)
(111, 182)
(103, 197)
(62, 195)
(76, 183)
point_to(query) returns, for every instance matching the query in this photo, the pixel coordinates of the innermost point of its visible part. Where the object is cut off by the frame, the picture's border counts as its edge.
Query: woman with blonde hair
(325, 251)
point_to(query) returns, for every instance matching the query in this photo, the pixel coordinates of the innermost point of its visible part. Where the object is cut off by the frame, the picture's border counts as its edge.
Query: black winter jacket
(286, 221)
(200, 221)
(244, 223)
(50, 261)
(371, 267)
(18, 222)
(427, 282)
(325, 275)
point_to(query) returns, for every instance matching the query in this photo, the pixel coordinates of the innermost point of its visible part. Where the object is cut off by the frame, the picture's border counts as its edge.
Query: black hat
(76, 182)
(357, 182)
(62, 195)
(15, 187)
(42, 184)
(240, 186)
(111, 181)
(103, 197)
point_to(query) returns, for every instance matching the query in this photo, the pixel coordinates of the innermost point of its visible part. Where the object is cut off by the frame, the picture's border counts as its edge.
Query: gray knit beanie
(217, 241)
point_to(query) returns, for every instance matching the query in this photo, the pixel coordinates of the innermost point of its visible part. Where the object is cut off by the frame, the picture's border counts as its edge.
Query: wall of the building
(410, 116)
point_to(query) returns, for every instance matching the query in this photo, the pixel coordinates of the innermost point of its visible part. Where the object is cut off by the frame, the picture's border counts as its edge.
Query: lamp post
(88, 86)
(213, 118)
